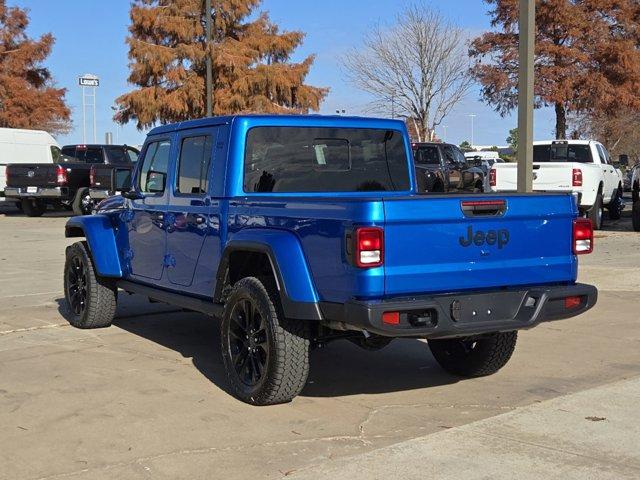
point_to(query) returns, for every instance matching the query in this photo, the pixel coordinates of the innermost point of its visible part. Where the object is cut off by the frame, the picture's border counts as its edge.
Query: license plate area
(32, 189)
(486, 308)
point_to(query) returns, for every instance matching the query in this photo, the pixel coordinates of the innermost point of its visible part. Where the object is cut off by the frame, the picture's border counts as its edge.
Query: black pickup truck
(442, 167)
(64, 184)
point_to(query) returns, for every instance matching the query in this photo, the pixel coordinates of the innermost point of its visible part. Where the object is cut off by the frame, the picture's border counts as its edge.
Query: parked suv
(299, 230)
(442, 167)
(64, 183)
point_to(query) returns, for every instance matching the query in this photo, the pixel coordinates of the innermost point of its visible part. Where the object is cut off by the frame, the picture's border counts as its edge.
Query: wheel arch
(98, 231)
(262, 251)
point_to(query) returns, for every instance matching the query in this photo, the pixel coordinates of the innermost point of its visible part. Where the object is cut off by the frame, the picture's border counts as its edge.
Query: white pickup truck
(581, 167)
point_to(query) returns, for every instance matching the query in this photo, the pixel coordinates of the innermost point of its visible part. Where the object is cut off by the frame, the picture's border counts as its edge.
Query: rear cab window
(310, 159)
(426, 155)
(562, 152)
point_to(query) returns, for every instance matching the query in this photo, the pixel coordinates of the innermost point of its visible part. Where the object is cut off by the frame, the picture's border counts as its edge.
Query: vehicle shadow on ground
(339, 369)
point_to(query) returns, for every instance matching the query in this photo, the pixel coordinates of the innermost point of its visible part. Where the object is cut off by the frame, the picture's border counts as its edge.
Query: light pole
(472, 116)
(527, 29)
(444, 127)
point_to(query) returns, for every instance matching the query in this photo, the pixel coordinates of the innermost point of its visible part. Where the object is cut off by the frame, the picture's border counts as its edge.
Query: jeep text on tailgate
(298, 230)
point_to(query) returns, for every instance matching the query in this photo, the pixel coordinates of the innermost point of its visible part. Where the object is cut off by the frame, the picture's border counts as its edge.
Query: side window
(449, 155)
(56, 153)
(193, 165)
(132, 154)
(606, 154)
(459, 156)
(116, 155)
(153, 174)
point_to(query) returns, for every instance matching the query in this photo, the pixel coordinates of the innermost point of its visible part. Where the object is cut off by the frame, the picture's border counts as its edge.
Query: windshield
(300, 159)
(562, 152)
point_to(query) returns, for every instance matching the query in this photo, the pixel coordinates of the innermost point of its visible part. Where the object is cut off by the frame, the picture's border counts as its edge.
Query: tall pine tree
(28, 98)
(586, 56)
(252, 71)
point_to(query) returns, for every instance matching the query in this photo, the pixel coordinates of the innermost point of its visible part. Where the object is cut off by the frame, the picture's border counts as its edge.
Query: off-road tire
(101, 294)
(616, 205)
(595, 213)
(635, 216)
(286, 367)
(468, 357)
(33, 208)
(78, 202)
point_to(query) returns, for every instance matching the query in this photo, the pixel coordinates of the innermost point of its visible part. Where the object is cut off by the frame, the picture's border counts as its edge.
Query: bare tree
(418, 68)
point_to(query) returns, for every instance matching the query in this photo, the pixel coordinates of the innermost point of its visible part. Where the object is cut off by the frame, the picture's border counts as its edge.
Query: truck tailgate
(31, 174)
(548, 176)
(432, 245)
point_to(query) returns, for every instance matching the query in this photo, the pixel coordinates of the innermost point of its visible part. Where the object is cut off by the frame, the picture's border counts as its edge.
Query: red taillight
(92, 176)
(369, 251)
(576, 178)
(391, 318)
(61, 175)
(572, 302)
(492, 177)
(582, 236)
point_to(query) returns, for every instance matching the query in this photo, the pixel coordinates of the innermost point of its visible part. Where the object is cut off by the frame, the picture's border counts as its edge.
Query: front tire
(595, 214)
(474, 356)
(616, 205)
(266, 356)
(82, 203)
(91, 300)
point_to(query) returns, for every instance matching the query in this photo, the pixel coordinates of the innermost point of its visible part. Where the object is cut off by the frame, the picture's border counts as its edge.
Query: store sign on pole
(89, 81)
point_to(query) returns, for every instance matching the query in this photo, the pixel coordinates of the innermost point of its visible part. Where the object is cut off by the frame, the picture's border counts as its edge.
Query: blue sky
(90, 38)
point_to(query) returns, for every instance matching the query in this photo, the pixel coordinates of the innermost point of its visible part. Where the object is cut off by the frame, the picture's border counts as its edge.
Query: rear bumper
(456, 315)
(41, 192)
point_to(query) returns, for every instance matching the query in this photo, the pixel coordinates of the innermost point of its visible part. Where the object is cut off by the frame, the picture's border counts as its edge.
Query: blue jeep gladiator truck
(297, 230)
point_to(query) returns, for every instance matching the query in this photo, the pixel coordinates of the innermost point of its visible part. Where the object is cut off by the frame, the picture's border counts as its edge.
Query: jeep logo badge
(31, 174)
(480, 238)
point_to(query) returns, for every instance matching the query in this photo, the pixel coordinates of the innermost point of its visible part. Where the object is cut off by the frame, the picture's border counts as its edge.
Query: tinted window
(123, 179)
(69, 152)
(117, 155)
(133, 155)
(84, 154)
(292, 159)
(154, 167)
(449, 154)
(562, 153)
(427, 155)
(458, 155)
(56, 154)
(193, 166)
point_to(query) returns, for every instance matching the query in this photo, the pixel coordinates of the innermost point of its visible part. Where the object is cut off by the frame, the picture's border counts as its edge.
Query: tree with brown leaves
(586, 57)
(252, 71)
(28, 97)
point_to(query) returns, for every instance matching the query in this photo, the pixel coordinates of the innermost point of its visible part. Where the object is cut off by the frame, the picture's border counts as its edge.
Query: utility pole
(444, 127)
(527, 28)
(209, 62)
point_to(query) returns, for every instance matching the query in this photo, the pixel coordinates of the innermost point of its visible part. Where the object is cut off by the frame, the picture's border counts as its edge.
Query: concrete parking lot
(146, 398)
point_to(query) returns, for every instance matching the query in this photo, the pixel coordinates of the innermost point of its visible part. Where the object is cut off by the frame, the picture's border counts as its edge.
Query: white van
(25, 146)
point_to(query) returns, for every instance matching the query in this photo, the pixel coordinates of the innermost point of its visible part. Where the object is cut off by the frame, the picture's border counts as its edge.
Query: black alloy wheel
(248, 345)
(77, 285)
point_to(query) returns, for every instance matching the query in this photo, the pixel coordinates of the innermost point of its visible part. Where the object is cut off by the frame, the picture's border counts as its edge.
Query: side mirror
(156, 181)
(623, 160)
(132, 194)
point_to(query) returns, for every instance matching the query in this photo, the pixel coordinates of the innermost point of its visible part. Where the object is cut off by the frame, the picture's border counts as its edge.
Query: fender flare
(298, 295)
(98, 231)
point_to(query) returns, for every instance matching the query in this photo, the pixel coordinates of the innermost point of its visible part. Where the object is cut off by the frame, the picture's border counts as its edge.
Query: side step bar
(190, 303)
